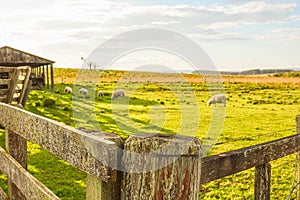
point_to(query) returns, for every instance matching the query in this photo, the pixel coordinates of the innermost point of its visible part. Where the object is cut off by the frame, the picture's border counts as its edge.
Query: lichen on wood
(161, 167)
(89, 153)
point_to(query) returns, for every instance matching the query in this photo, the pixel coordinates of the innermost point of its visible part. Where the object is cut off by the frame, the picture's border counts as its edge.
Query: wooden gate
(14, 85)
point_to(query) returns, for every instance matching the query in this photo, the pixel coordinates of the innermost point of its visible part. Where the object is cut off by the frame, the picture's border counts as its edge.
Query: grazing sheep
(219, 98)
(83, 91)
(102, 111)
(100, 93)
(68, 90)
(118, 93)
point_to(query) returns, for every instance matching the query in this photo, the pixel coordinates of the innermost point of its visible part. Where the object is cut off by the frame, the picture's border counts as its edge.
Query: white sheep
(118, 93)
(100, 93)
(218, 98)
(83, 91)
(68, 90)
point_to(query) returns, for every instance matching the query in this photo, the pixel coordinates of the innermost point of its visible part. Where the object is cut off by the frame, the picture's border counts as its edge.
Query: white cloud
(217, 25)
(281, 35)
(295, 17)
(214, 36)
(259, 7)
(78, 26)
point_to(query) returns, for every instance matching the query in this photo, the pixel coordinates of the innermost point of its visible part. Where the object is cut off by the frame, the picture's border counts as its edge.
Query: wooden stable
(41, 68)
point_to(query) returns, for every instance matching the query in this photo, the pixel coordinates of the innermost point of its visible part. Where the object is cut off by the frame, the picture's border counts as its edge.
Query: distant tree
(250, 72)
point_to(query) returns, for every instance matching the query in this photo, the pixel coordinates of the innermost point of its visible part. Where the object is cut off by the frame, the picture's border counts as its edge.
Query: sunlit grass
(255, 113)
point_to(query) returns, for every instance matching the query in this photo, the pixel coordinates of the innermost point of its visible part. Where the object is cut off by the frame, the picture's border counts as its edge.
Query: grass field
(259, 109)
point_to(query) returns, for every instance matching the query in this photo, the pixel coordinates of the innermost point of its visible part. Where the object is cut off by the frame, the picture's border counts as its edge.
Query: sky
(236, 34)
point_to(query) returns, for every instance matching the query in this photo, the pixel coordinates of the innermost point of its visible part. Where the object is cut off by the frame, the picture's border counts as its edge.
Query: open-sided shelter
(41, 68)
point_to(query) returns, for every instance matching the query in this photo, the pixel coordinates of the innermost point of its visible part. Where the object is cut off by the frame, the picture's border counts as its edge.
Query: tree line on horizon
(245, 72)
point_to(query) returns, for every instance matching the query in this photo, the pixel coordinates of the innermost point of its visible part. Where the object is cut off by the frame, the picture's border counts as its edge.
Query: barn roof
(14, 58)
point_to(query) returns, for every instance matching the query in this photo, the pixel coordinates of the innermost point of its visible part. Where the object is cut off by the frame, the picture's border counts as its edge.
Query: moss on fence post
(161, 167)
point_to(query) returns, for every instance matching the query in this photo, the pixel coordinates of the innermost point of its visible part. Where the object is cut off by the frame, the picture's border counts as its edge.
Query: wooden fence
(100, 155)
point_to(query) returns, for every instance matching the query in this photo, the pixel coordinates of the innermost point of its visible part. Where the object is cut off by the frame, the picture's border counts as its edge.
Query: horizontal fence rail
(225, 164)
(30, 187)
(89, 153)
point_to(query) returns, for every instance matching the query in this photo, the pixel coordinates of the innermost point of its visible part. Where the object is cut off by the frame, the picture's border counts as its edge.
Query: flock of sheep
(117, 93)
(219, 98)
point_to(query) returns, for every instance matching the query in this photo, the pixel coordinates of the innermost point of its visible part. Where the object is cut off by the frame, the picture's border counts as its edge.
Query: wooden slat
(30, 187)
(225, 164)
(6, 69)
(3, 98)
(5, 81)
(87, 152)
(3, 91)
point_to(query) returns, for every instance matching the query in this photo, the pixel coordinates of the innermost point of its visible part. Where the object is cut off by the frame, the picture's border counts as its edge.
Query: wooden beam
(89, 153)
(43, 75)
(52, 77)
(29, 186)
(47, 73)
(225, 164)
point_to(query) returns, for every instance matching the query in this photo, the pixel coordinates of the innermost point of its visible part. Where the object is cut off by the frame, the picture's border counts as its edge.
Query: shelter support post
(47, 73)
(52, 77)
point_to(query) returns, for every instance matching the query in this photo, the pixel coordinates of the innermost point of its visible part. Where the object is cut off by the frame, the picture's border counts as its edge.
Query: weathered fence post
(298, 158)
(262, 182)
(97, 189)
(16, 146)
(161, 167)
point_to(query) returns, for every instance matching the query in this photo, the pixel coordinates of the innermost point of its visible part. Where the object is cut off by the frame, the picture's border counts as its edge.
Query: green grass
(255, 113)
